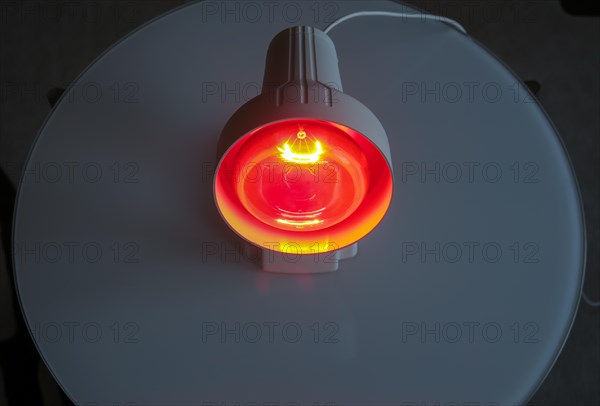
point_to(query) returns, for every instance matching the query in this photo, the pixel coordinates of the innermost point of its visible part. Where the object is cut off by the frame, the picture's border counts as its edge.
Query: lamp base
(279, 262)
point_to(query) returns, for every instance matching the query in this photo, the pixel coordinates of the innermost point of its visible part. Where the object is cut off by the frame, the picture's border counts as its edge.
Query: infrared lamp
(304, 170)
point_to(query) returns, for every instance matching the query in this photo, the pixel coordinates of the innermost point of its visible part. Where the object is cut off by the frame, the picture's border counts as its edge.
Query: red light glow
(303, 186)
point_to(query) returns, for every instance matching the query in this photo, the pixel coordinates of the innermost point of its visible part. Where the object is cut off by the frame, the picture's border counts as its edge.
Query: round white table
(134, 289)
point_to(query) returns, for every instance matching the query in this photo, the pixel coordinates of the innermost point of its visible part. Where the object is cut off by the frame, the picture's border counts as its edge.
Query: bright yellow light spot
(299, 223)
(300, 151)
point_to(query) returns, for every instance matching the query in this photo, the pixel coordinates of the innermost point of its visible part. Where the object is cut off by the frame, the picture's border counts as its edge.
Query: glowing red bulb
(311, 183)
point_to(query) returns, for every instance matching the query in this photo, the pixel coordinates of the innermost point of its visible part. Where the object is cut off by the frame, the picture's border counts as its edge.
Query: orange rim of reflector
(303, 186)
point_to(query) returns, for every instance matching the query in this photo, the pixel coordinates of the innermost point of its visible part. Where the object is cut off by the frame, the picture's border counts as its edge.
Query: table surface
(130, 282)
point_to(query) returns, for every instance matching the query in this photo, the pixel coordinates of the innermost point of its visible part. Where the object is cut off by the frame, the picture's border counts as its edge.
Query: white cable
(590, 302)
(396, 14)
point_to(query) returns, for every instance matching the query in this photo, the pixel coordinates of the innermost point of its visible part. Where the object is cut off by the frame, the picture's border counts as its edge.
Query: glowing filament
(299, 151)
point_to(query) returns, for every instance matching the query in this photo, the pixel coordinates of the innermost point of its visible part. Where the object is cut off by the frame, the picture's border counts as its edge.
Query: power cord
(432, 17)
(590, 302)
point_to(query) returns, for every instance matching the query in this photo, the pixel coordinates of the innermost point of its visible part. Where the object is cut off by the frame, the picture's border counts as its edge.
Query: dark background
(553, 45)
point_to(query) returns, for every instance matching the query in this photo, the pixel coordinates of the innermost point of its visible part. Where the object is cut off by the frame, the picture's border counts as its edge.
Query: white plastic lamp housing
(304, 170)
